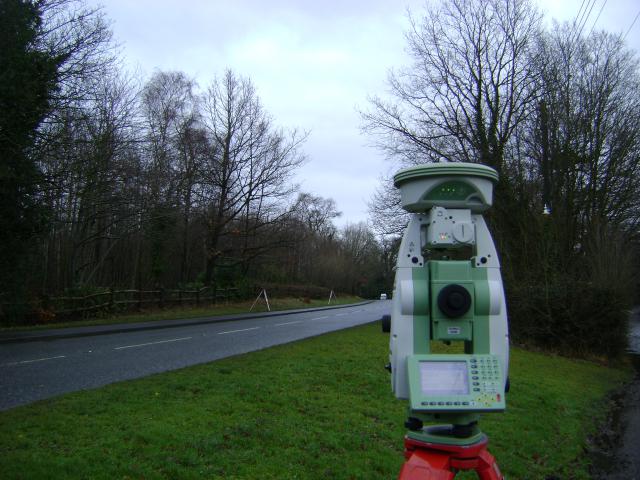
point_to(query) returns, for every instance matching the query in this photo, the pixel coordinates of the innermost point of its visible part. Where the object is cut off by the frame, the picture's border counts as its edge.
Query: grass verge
(182, 313)
(318, 408)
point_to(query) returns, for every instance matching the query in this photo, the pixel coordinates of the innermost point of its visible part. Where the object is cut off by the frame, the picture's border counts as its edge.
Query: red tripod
(436, 461)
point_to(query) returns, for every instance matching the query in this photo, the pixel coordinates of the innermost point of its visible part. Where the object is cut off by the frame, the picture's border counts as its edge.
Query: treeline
(108, 181)
(556, 111)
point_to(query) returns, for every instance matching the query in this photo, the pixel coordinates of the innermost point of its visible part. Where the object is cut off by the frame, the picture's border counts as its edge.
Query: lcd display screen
(444, 378)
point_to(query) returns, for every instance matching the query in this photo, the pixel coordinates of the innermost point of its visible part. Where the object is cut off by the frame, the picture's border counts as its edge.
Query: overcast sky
(313, 64)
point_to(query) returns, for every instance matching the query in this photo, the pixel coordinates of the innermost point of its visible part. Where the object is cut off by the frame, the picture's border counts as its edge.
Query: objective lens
(454, 300)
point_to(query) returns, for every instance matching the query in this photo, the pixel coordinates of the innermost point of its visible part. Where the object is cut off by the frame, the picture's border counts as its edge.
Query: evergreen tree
(27, 79)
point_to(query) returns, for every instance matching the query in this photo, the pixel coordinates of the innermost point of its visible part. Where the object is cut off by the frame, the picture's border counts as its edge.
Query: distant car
(383, 296)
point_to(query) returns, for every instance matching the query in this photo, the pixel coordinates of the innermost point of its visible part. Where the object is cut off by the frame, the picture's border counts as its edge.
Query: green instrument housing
(448, 289)
(430, 323)
(449, 185)
(444, 274)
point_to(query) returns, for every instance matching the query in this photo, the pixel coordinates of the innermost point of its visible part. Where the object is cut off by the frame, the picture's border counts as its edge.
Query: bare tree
(175, 147)
(469, 86)
(468, 93)
(92, 188)
(192, 150)
(313, 232)
(249, 163)
(80, 38)
(169, 108)
(110, 125)
(317, 214)
(361, 254)
(586, 144)
(385, 210)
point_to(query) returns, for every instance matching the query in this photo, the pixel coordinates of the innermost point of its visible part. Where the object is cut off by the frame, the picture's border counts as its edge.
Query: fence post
(139, 300)
(180, 298)
(111, 299)
(197, 297)
(161, 297)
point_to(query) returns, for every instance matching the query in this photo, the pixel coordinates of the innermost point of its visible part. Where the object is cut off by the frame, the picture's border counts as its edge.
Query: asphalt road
(47, 367)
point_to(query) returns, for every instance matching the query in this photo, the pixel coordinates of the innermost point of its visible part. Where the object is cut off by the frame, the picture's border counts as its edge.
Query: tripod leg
(423, 465)
(487, 467)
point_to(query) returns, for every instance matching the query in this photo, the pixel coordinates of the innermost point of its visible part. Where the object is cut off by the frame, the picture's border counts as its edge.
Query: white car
(383, 296)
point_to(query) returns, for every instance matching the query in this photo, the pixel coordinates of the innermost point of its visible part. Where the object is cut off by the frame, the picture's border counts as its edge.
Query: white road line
(153, 343)
(32, 361)
(319, 318)
(241, 330)
(287, 323)
(341, 314)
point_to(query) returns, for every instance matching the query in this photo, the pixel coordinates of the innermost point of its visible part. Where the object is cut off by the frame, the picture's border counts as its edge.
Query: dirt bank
(616, 450)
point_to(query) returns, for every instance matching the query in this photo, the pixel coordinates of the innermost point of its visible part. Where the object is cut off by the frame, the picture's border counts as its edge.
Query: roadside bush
(571, 317)
(298, 291)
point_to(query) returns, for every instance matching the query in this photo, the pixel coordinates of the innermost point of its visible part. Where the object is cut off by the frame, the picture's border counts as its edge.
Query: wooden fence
(45, 309)
(113, 300)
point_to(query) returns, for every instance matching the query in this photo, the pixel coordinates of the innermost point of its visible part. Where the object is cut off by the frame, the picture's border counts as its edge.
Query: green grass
(315, 409)
(181, 313)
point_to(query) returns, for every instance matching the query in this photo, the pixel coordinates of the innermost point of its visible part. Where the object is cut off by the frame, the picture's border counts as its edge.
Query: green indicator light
(450, 191)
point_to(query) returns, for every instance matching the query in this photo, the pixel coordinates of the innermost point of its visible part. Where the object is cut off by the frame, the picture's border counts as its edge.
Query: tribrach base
(434, 461)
